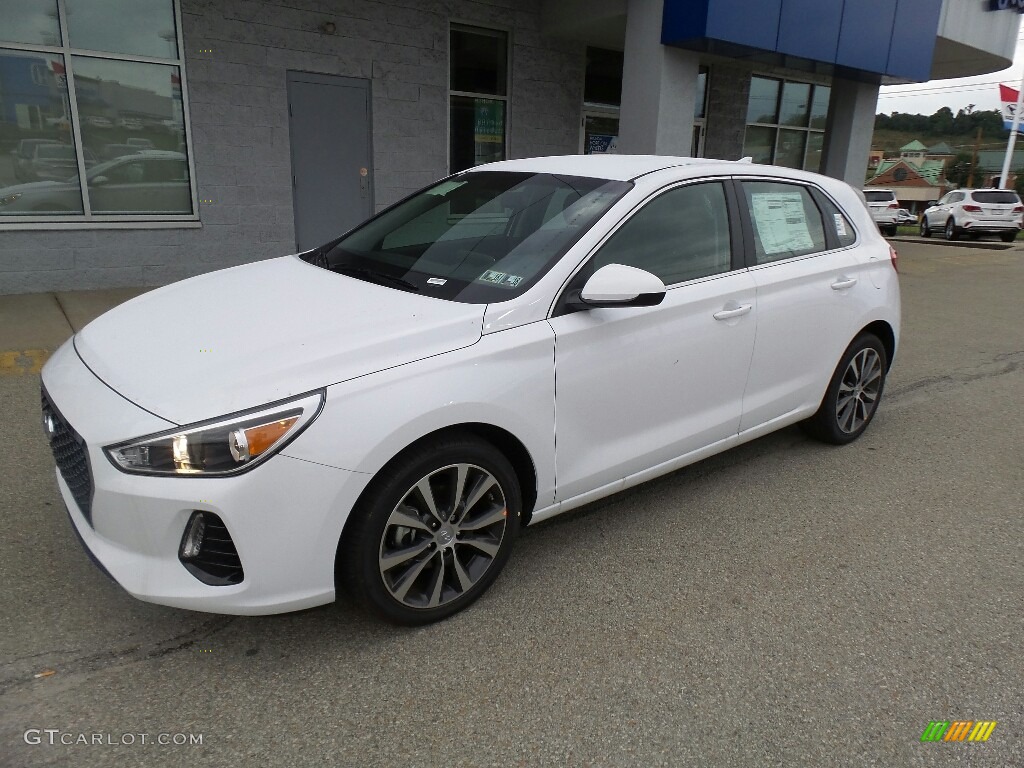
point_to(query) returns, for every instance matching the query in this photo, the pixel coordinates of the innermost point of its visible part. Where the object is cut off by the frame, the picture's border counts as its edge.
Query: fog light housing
(208, 552)
(193, 540)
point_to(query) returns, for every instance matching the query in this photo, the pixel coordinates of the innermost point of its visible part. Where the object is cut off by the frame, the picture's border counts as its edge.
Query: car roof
(605, 166)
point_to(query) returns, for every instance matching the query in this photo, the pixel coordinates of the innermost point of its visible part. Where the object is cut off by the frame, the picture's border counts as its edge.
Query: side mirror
(930, 203)
(616, 285)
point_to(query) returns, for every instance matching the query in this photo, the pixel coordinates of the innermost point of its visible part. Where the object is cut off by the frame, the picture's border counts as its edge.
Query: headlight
(224, 446)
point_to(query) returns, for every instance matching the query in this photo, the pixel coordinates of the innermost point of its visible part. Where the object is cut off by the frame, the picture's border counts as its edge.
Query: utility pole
(974, 160)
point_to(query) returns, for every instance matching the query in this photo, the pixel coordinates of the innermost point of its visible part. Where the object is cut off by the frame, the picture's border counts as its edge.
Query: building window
(786, 123)
(478, 96)
(95, 108)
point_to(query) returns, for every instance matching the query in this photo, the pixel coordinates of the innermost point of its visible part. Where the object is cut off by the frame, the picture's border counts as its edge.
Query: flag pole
(1004, 180)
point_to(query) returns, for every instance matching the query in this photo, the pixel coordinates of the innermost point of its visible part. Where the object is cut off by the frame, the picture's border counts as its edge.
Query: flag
(1008, 96)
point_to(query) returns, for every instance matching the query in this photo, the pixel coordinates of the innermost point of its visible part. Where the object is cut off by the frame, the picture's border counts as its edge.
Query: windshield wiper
(381, 278)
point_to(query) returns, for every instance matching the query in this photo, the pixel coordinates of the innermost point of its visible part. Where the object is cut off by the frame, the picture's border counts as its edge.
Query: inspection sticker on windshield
(436, 281)
(501, 278)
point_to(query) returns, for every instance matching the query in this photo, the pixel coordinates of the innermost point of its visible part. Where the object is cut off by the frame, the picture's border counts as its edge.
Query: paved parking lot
(786, 604)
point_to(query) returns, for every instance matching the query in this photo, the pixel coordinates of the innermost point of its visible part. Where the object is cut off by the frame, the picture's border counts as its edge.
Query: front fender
(506, 380)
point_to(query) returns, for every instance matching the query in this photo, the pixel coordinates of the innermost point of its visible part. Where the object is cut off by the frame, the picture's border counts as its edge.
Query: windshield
(995, 197)
(477, 238)
(879, 197)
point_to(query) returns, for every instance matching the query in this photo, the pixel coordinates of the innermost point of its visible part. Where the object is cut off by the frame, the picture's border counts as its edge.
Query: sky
(926, 98)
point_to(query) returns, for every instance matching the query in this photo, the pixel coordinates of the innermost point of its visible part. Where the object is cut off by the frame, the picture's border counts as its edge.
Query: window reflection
(131, 109)
(36, 147)
(29, 21)
(139, 27)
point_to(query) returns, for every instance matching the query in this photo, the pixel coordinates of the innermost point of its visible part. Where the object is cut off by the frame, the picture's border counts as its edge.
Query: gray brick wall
(239, 124)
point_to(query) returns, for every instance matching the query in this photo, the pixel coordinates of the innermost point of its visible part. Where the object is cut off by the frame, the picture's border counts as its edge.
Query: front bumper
(285, 516)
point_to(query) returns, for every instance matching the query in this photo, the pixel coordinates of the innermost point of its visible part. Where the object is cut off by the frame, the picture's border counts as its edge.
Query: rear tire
(951, 232)
(1008, 237)
(415, 560)
(853, 394)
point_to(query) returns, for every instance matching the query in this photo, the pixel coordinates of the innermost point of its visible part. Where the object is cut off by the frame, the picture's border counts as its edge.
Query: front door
(329, 122)
(636, 387)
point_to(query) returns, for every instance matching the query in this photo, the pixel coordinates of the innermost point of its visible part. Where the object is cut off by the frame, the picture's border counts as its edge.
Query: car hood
(250, 335)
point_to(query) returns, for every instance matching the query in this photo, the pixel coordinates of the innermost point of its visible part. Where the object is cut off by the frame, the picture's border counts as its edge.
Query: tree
(959, 169)
(1018, 184)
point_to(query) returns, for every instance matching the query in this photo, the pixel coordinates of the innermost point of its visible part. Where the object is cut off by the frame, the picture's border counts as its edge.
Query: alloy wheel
(859, 390)
(443, 536)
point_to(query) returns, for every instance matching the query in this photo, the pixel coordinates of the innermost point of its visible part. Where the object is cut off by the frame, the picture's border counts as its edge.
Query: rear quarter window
(875, 196)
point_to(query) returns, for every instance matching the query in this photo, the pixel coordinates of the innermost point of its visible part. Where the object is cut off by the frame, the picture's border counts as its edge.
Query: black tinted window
(879, 197)
(998, 196)
(680, 235)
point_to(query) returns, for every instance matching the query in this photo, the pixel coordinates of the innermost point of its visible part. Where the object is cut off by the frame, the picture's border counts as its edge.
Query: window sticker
(501, 278)
(436, 281)
(781, 222)
(840, 225)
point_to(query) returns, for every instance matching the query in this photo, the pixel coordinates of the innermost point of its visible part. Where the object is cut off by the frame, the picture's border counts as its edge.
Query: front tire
(951, 232)
(853, 394)
(433, 531)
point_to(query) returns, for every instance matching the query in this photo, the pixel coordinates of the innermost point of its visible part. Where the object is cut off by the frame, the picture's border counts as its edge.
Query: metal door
(329, 121)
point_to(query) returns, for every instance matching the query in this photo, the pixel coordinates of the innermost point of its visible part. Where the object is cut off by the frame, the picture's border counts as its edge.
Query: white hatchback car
(975, 212)
(382, 414)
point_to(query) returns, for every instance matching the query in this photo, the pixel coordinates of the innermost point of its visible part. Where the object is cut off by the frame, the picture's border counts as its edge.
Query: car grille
(71, 456)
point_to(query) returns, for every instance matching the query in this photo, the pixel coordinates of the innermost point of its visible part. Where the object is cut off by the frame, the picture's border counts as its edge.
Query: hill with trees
(959, 131)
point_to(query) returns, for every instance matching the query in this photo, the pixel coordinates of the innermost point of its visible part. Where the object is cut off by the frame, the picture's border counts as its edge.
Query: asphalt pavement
(784, 604)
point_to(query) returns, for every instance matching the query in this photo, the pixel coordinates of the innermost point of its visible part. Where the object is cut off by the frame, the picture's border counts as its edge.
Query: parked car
(903, 216)
(883, 206)
(136, 141)
(53, 162)
(23, 154)
(381, 415)
(975, 212)
(147, 182)
(111, 151)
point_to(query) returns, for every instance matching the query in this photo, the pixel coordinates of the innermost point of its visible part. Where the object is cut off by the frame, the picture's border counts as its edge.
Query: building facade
(144, 141)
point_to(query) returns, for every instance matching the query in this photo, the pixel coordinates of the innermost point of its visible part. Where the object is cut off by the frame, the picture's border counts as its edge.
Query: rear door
(808, 286)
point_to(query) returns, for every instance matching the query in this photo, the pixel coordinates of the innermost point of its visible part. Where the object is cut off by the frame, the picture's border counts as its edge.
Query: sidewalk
(33, 325)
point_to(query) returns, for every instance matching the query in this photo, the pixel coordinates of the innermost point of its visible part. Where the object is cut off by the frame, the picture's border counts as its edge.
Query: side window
(785, 220)
(838, 220)
(680, 235)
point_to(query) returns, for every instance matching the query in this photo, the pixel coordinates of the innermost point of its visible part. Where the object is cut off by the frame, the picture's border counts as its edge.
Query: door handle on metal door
(731, 312)
(844, 282)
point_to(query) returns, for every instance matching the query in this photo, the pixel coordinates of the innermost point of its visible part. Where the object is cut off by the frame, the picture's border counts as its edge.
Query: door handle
(728, 314)
(844, 282)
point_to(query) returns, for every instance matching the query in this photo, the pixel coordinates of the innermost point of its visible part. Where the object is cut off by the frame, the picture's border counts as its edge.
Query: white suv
(884, 209)
(975, 212)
